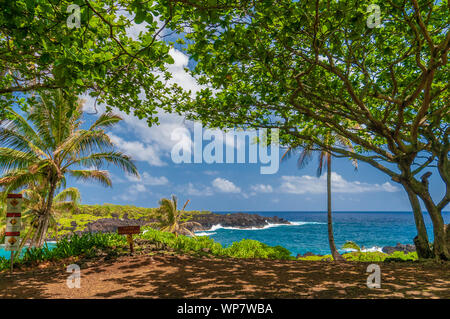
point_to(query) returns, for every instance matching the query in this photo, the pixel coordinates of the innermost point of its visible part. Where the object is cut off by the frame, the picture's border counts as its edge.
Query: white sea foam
(372, 249)
(204, 234)
(365, 250)
(269, 225)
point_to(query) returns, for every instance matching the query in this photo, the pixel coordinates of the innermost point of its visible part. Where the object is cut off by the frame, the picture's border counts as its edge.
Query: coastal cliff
(237, 220)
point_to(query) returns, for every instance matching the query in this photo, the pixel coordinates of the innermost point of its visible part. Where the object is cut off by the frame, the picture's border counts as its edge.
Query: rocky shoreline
(207, 221)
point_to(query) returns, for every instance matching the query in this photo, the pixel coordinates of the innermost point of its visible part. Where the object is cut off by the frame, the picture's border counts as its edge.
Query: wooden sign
(13, 222)
(129, 231)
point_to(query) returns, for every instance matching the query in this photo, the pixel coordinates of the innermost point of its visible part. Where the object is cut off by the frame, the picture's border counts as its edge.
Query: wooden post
(129, 231)
(12, 262)
(130, 241)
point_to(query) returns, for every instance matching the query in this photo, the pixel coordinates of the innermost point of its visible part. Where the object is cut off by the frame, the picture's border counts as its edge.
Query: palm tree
(306, 154)
(2, 224)
(34, 202)
(50, 144)
(170, 219)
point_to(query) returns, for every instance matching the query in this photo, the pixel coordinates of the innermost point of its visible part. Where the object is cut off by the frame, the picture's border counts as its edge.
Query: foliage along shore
(107, 217)
(93, 227)
(151, 242)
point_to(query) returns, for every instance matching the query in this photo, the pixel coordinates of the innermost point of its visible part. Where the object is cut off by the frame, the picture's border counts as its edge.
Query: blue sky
(232, 187)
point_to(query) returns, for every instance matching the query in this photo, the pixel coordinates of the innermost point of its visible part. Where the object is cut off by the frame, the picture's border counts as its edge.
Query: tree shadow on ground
(194, 277)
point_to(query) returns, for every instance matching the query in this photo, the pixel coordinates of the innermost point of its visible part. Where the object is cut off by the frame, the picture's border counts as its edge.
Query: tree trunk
(46, 216)
(334, 252)
(421, 240)
(440, 245)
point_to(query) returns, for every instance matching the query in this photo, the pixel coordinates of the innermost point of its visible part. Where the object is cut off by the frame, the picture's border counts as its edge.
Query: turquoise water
(373, 230)
(7, 254)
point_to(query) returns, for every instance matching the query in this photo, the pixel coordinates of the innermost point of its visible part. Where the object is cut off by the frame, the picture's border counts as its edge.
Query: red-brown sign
(128, 230)
(14, 196)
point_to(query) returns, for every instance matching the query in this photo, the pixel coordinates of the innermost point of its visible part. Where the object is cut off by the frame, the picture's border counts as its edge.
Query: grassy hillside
(77, 220)
(88, 213)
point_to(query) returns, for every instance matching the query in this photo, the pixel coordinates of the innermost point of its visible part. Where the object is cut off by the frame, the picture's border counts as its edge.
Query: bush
(400, 256)
(244, 249)
(248, 248)
(370, 256)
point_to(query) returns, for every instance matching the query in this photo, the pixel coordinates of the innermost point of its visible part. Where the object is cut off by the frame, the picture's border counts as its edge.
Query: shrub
(248, 248)
(370, 256)
(401, 256)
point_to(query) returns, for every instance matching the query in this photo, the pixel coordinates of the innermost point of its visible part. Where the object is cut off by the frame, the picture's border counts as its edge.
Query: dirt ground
(195, 277)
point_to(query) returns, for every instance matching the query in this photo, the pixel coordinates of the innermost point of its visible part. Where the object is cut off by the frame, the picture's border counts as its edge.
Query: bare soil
(165, 276)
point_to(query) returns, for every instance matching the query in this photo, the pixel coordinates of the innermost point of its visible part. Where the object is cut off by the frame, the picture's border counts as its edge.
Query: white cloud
(261, 188)
(192, 190)
(147, 179)
(225, 186)
(139, 151)
(317, 185)
(138, 188)
(153, 143)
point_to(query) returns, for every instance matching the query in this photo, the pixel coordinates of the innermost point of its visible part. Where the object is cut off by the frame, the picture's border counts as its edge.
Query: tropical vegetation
(48, 145)
(171, 219)
(310, 67)
(324, 156)
(152, 241)
(315, 70)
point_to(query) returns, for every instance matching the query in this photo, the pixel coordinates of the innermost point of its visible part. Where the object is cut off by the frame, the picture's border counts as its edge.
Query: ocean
(308, 232)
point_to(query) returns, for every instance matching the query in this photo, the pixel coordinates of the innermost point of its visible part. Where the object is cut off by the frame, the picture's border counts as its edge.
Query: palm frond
(115, 158)
(15, 159)
(320, 164)
(92, 175)
(72, 193)
(105, 120)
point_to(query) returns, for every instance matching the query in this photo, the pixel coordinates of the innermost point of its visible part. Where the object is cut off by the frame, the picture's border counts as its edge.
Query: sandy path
(189, 277)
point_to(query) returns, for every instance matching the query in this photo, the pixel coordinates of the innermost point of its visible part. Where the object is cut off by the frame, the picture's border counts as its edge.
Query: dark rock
(109, 225)
(238, 220)
(399, 247)
(73, 223)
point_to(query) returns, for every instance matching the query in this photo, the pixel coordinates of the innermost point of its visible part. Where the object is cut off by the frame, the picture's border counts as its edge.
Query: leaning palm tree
(306, 154)
(2, 224)
(172, 220)
(51, 144)
(34, 203)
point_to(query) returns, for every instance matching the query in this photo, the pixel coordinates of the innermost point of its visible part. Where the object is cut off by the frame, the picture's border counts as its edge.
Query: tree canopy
(311, 67)
(42, 47)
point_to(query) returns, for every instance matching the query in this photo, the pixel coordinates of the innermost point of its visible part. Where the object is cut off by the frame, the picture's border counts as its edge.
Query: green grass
(90, 213)
(375, 256)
